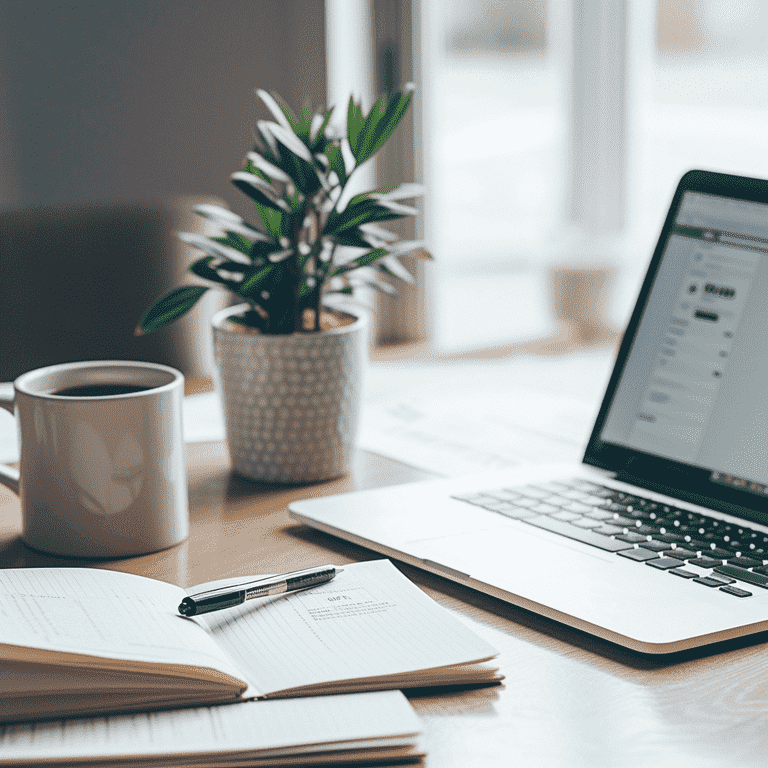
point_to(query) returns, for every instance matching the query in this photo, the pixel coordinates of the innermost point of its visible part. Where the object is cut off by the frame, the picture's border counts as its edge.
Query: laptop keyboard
(730, 557)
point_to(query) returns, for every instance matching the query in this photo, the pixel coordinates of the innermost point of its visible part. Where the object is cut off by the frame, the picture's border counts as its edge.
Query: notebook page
(369, 621)
(102, 613)
(252, 726)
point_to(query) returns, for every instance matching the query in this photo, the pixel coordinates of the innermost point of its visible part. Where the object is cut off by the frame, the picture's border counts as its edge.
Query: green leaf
(368, 131)
(355, 123)
(336, 161)
(390, 120)
(170, 307)
(363, 213)
(404, 191)
(202, 268)
(260, 250)
(212, 246)
(353, 237)
(271, 220)
(361, 261)
(270, 170)
(224, 218)
(291, 141)
(270, 150)
(347, 289)
(256, 280)
(236, 241)
(279, 109)
(304, 125)
(257, 189)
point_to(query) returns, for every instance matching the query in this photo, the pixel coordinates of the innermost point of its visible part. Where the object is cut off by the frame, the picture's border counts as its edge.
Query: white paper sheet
(462, 418)
(249, 728)
(102, 613)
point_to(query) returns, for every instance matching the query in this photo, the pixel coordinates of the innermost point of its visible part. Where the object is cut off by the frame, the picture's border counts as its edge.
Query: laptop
(658, 540)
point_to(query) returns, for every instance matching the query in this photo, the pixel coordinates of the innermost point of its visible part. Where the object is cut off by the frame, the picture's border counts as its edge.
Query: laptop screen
(692, 384)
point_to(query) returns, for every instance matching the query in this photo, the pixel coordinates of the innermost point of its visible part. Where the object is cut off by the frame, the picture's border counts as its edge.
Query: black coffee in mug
(100, 390)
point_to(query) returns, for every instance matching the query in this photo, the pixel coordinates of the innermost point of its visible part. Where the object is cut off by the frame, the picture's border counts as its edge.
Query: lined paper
(101, 613)
(370, 621)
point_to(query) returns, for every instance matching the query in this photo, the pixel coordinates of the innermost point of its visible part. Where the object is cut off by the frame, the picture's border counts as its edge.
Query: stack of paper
(342, 730)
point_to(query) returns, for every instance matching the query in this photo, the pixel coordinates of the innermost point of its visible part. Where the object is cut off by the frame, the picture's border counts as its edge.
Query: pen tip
(338, 568)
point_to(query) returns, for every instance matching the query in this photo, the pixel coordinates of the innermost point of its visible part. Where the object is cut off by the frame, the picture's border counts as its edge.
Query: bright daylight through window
(498, 151)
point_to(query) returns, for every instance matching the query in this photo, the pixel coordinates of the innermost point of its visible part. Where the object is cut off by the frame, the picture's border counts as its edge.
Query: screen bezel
(646, 470)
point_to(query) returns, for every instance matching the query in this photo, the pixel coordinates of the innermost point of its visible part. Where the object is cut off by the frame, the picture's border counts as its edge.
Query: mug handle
(9, 477)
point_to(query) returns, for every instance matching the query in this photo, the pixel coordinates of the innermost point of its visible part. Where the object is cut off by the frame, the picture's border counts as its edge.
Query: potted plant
(290, 356)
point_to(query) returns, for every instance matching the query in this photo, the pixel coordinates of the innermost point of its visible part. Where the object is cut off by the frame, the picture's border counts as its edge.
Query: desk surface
(568, 699)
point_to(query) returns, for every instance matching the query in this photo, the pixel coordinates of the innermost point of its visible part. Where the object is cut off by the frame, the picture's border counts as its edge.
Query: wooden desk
(568, 700)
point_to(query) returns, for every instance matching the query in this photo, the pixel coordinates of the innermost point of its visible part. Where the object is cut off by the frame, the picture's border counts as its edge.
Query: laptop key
(527, 502)
(742, 574)
(646, 529)
(593, 501)
(655, 546)
(697, 544)
(579, 534)
(575, 506)
(586, 522)
(679, 553)
(705, 562)
(609, 530)
(663, 563)
(639, 554)
(745, 562)
(736, 591)
(599, 514)
(632, 537)
(683, 573)
(707, 581)
(566, 517)
(544, 509)
(719, 553)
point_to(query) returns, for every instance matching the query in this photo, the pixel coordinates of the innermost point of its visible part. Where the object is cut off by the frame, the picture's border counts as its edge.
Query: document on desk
(367, 727)
(477, 415)
(87, 641)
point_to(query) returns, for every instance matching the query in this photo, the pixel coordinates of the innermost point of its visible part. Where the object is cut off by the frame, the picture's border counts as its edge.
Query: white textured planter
(291, 403)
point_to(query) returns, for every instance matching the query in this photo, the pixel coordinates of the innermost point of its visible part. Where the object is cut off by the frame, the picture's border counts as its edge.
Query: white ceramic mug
(102, 474)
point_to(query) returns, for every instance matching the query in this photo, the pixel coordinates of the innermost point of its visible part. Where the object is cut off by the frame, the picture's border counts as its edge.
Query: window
(515, 140)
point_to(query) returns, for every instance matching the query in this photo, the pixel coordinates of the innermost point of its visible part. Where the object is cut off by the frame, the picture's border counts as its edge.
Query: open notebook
(88, 641)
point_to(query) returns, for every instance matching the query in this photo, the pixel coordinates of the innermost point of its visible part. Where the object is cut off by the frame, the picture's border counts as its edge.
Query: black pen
(227, 597)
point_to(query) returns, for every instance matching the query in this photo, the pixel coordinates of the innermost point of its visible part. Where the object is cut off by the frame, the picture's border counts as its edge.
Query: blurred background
(550, 135)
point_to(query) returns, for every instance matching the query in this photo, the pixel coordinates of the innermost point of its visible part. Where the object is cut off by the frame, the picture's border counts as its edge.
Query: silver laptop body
(658, 540)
